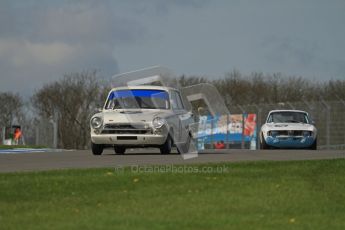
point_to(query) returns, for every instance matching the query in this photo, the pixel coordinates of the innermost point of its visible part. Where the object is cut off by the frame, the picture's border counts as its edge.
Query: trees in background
(72, 101)
(11, 108)
(258, 88)
(334, 90)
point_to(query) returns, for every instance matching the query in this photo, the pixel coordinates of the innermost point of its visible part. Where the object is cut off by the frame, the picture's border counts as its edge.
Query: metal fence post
(343, 102)
(54, 121)
(3, 134)
(227, 131)
(258, 124)
(328, 121)
(212, 131)
(243, 112)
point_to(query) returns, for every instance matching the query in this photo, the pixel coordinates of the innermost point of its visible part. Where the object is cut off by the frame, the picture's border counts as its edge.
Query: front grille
(288, 133)
(297, 133)
(109, 131)
(124, 126)
(282, 133)
(126, 129)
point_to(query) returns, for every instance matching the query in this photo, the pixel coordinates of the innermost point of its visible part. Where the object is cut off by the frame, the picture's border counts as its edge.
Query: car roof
(287, 110)
(144, 87)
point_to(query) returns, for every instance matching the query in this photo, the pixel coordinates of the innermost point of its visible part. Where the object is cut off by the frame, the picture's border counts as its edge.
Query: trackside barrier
(227, 131)
(329, 120)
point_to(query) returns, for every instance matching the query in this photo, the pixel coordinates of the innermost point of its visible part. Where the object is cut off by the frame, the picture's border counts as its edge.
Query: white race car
(288, 129)
(142, 116)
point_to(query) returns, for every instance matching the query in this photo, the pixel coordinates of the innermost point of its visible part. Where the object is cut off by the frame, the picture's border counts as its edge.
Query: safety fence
(40, 133)
(240, 128)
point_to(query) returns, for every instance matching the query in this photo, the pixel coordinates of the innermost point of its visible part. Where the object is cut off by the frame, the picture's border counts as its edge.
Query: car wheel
(96, 149)
(119, 150)
(263, 144)
(314, 145)
(166, 147)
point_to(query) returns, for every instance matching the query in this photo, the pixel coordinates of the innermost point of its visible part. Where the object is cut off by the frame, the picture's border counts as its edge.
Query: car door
(182, 117)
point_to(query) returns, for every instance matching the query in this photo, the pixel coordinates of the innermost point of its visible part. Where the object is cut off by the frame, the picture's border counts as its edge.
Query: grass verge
(254, 195)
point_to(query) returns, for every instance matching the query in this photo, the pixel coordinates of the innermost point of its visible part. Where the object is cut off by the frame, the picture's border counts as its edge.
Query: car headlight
(96, 122)
(158, 122)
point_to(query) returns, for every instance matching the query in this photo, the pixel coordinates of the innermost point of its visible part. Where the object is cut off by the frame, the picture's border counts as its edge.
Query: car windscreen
(138, 99)
(288, 117)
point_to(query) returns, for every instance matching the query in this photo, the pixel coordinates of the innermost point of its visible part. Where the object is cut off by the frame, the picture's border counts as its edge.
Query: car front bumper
(129, 139)
(290, 142)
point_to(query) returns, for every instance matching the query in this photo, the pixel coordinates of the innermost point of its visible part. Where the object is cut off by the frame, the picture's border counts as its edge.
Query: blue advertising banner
(215, 132)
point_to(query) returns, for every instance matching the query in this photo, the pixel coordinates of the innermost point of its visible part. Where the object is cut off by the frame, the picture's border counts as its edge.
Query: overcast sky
(42, 40)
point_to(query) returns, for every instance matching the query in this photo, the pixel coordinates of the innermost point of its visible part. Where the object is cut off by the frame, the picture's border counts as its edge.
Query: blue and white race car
(288, 129)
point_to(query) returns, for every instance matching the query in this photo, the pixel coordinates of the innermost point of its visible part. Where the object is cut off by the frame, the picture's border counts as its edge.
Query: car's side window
(176, 101)
(174, 104)
(179, 101)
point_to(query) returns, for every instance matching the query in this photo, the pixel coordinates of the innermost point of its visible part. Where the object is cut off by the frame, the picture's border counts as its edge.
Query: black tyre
(314, 145)
(263, 144)
(119, 150)
(96, 149)
(166, 147)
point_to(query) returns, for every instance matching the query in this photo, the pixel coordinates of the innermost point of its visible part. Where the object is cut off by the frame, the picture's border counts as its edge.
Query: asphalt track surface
(138, 157)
